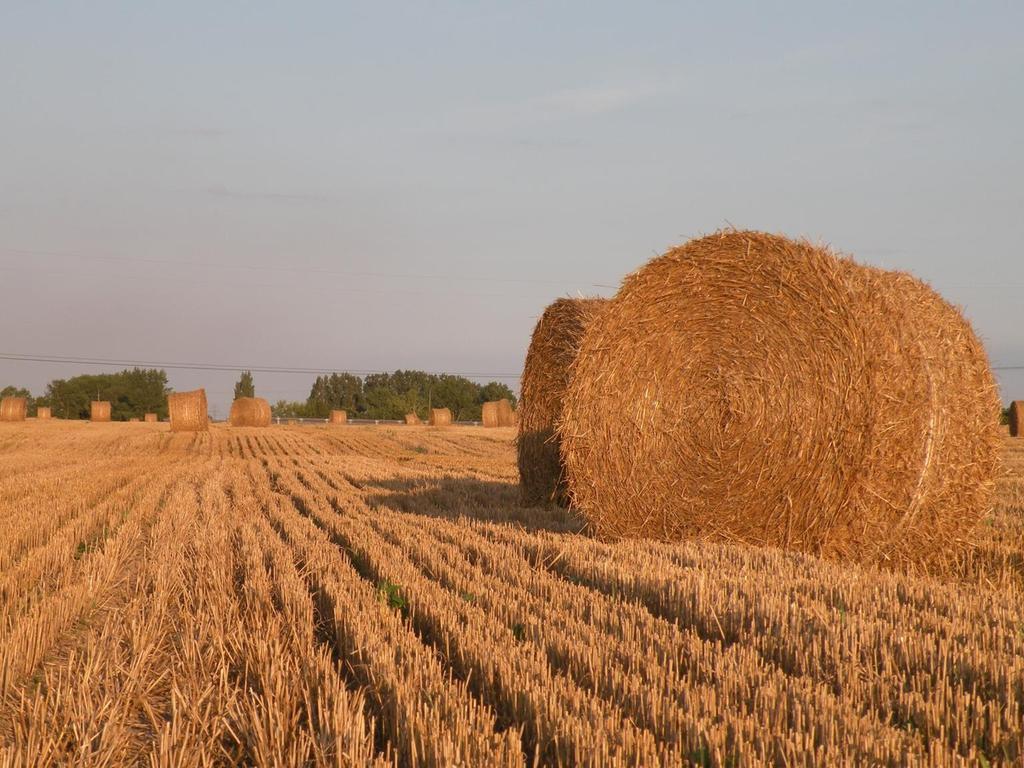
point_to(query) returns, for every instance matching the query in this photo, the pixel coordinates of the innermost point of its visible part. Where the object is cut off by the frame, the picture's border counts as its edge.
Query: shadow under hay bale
(747, 387)
(188, 411)
(13, 409)
(339, 417)
(553, 347)
(99, 411)
(250, 412)
(1017, 418)
(440, 417)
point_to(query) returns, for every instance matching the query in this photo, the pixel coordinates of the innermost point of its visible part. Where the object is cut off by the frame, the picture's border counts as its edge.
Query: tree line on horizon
(134, 392)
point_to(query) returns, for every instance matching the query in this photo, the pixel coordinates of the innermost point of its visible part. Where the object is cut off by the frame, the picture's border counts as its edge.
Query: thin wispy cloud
(219, 190)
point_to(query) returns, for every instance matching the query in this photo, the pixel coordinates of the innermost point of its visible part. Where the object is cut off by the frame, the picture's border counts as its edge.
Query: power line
(222, 367)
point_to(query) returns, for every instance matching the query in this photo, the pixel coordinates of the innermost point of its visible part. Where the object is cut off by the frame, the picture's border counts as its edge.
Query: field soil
(358, 596)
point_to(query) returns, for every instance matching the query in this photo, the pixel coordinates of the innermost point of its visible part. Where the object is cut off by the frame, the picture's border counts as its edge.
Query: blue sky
(381, 185)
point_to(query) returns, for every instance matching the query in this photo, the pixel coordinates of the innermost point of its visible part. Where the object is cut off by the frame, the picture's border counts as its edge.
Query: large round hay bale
(151, 418)
(556, 339)
(412, 419)
(99, 410)
(489, 416)
(13, 409)
(440, 417)
(250, 412)
(44, 413)
(1017, 418)
(188, 411)
(339, 417)
(747, 387)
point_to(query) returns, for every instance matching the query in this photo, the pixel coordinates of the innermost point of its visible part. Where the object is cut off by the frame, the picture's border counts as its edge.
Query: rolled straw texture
(553, 347)
(1017, 418)
(250, 412)
(506, 415)
(747, 387)
(188, 411)
(42, 412)
(99, 410)
(489, 414)
(13, 409)
(440, 417)
(339, 417)
(412, 418)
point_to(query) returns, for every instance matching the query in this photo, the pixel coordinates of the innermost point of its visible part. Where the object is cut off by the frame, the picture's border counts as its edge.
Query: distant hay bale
(188, 411)
(339, 417)
(553, 347)
(134, 420)
(489, 414)
(151, 418)
(440, 417)
(412, 419)
(99, 410)
(13, 409)
(747, 387)
(250, 412)
(1017, 418)
(498, 413)
(43, 413)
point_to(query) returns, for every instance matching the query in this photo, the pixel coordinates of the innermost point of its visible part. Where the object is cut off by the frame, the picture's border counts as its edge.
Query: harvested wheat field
(378, 596)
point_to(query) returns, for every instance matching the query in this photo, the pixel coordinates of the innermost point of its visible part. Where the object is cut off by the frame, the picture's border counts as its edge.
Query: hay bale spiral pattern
(747, 387)
(440, 417)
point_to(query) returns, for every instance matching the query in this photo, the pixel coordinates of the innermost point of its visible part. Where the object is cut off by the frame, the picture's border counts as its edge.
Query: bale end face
(747, 387)
(188, 411)
(13, 409)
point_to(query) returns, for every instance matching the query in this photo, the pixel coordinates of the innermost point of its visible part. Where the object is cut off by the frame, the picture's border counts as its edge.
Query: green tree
(245, 386)
(132, 393)
(338, 391)
(290, 409)
(494, 390)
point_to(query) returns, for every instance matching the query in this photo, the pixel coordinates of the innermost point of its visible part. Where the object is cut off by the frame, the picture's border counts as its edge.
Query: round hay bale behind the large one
(440, 417)
(250, 412)
(746, 387)
(556, 339)
(43, 413)
(489, 416)
(99, 410)
(188, 411)
(339, 417)
(13, 409)
(506, 414)
(151, 418)
(412, 419)
(1017, 418)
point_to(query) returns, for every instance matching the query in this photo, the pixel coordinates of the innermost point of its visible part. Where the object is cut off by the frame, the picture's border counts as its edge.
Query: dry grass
(749, 388)
(377, 596)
